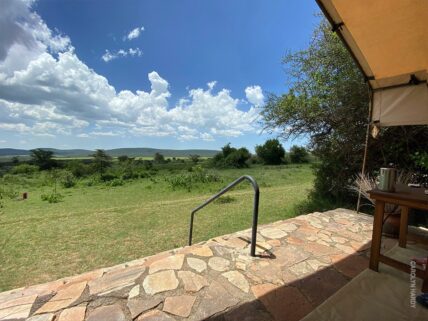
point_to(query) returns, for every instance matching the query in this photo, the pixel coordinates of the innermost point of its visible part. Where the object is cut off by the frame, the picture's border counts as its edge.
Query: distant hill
(131, 152)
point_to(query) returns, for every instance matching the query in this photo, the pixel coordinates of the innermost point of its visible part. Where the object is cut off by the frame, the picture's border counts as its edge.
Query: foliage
(194, 158)
(78, 168)
(115, 182)
(421, 160)
(52, 197)
(298, 154)
(231, 157)
(123, 158)
(42, 158)
(24, 169)
(271, 152)
(101, 161)
(159, 158)
(15, 160)
(328, 100)
(225, 199)
(189, 180)
(67, 179)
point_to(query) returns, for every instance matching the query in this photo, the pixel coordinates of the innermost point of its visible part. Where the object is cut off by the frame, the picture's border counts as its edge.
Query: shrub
(123, 158)
(116, 182)
(231, 157)
(225, 199)
(190, 179)
(106, 177)
(24, 169)
(52, 197)
(159, 158)
(78, 168)
(299, 154)
(271, 152)
(68, 180)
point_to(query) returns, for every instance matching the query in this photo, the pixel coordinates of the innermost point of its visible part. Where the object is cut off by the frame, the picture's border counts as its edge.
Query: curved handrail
(223, 191)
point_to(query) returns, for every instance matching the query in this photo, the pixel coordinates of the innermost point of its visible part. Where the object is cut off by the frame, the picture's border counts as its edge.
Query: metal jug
(387, 179)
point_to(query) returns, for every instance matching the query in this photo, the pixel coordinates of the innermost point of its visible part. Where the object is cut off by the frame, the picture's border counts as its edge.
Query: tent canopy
(388, 39)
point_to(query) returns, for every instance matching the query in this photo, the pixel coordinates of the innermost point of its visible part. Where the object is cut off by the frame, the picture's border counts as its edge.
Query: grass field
(96, 226)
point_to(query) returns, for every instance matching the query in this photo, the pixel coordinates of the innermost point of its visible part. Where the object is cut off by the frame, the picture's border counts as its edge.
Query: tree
(15, 160)
(101, 161)
(231, 157)
(271, 152)
(327, 101)
(194, 158)
(42, 158)
(123, 158)
(159, 158)
(298, 154)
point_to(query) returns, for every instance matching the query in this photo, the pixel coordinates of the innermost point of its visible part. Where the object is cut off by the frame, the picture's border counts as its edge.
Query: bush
(190, 179)
(68, 180)
(116, 182)
(52, 197)
(225, 199)
(231, 157)
(159, 158)
(107, 177)
(78, 168)
(298, 154)
(271, 152)
(24, 169)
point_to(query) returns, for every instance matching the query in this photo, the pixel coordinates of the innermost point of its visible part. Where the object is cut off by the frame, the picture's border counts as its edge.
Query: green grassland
(101, 225)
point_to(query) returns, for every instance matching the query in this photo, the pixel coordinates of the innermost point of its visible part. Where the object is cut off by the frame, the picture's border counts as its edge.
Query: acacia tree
(101, 161)
(328, 101)
(42, 158)
(271, 152)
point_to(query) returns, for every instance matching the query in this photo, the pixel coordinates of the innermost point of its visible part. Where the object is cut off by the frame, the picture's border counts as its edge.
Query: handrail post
(255, 209)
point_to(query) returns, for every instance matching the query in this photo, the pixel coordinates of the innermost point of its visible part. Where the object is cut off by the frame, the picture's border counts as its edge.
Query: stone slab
(64, 298)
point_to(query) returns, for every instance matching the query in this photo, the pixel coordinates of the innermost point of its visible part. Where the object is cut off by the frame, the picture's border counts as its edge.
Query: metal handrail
(223, 191)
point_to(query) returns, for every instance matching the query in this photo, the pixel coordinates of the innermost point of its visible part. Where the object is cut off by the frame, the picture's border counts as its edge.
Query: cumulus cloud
(131, 52)
(134, 33)
(55, 93)
(254, 95)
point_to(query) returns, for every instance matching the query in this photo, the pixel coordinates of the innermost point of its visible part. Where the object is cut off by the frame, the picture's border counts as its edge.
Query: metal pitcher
(387, 179)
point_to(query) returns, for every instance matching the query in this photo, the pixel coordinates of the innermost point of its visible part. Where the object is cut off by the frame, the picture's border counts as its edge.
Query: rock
(301, 269)
(273, 233)
(139, 305)
(160, 282)
(316, 264)
(197, 264)
(238, 280)
(179, 305)
(174, 262)
(192, 281)
(339, 239)
(64, 298)
(345, 248)
(219, 264)
(237, 242)
(290, 255)
(155, 315)
(216, 299)
(135, 291)
(73, 314)
(202, 251)
(42, 317)
(18, 308)
(107, 313)
(287, 227)
(284, 303)
(115, 280)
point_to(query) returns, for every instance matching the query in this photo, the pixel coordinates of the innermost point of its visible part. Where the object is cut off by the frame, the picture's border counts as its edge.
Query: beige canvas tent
(389, 41)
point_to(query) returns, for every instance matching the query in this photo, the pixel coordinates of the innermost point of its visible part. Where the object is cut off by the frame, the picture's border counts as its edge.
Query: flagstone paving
(300, 263)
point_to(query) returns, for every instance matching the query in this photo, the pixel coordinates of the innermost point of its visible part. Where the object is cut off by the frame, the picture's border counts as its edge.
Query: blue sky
(167, 74)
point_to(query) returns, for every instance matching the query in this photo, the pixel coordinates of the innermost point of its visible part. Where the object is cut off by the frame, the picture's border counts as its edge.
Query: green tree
(159, 158)
(15, 160)
(42, 158)
(271, 152)
(231, 157)
(101, 161)
(298, 154)
(327, 101)
(123, 158)
(194, 158)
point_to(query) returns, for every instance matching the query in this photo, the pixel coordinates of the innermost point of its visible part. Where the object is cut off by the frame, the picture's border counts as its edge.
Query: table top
(403, 193)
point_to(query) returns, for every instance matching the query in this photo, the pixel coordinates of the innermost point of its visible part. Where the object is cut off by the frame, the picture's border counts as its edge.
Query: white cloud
(134, 33)
(254, 95)
(56, 94)
(131, 52)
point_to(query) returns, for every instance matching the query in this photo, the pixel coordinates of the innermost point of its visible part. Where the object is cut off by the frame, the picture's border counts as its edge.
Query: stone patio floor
(301, 262)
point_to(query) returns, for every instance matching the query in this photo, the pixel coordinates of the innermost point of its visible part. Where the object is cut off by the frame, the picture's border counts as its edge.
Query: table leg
(377, 235)
(403, 226)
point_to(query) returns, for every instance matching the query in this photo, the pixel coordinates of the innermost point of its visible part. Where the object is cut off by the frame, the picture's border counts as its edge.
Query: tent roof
(387, 38)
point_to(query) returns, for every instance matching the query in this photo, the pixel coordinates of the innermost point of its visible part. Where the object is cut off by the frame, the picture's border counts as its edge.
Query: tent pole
(363, 169)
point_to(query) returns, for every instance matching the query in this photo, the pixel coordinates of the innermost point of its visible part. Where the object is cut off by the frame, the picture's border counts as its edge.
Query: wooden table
(406, 198)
